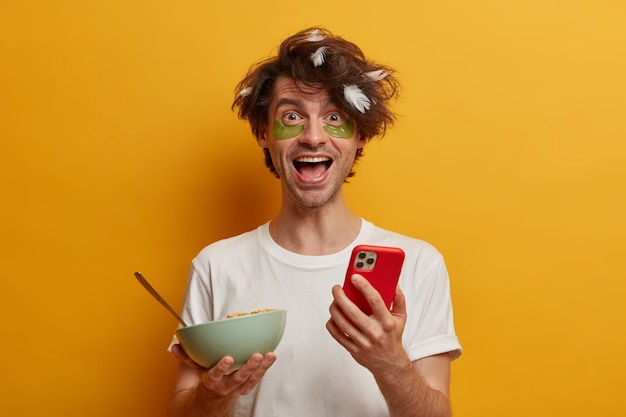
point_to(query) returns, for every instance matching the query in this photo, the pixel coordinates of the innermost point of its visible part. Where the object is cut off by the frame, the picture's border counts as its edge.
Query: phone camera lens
(360, 264)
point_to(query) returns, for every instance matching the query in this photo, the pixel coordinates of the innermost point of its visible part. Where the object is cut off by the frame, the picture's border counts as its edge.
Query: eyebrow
(298, 103)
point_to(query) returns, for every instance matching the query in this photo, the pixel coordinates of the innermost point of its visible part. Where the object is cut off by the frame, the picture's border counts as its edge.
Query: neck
(317, 231)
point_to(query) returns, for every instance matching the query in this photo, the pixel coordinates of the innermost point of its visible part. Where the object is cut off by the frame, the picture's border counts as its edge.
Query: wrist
(397, 373)
(212, 402)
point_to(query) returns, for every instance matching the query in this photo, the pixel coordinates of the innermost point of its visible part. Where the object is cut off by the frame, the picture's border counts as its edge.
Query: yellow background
(119, 152)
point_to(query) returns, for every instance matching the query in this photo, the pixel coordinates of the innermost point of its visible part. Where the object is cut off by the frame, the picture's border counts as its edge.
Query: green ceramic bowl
(238, 337)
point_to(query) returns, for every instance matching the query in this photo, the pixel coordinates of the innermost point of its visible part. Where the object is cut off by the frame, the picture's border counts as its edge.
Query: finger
(370, 293)
(252, 363)
(339, 335)
(178, 352)
(345, 305)
(339, 320)
(255, 363)
(270, 358)
(351, 323)
(258, 373)
(248, 376)
(217, 372)
(344, 312)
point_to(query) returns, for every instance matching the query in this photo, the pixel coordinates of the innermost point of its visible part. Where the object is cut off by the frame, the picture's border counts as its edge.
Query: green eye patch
(345, 131)
(281, 131)
(286, 132)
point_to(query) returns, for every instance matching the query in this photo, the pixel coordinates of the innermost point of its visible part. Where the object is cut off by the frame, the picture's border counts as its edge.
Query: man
(312, 109)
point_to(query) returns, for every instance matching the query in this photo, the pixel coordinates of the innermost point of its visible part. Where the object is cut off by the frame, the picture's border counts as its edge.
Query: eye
(291, 118)
(335, 118)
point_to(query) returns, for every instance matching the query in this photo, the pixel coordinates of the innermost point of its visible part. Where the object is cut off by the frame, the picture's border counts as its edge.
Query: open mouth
(312, 167)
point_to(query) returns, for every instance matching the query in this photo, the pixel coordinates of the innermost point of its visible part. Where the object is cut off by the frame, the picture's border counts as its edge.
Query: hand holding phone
(381, 266)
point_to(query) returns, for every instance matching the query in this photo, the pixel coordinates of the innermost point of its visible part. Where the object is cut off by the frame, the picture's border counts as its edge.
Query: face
(312, 142)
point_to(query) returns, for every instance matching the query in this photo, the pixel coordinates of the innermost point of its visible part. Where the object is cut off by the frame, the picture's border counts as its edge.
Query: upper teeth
(312, 159)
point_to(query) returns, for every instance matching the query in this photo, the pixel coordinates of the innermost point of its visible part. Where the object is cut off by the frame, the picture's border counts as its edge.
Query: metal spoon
(158, 297)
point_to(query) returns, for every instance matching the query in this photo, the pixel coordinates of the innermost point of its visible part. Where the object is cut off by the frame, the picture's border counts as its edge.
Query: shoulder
(231, 246)
(413, 247)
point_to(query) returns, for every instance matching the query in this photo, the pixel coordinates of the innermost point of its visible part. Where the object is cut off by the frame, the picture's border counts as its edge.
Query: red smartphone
(381, 266)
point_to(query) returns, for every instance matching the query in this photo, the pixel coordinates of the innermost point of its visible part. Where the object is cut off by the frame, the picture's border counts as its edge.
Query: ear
(361, 140)
(262, 139)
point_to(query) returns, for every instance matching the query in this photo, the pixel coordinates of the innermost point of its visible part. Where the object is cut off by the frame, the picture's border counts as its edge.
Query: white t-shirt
(314, 375)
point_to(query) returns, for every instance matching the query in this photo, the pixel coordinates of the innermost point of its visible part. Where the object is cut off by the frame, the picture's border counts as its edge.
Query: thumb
(399, 303)
(181, 355)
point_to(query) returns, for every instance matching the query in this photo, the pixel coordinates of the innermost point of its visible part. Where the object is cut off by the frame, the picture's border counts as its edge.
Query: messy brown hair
(345, 64)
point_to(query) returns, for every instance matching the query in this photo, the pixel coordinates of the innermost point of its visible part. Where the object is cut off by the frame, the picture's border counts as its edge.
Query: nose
(313, 134)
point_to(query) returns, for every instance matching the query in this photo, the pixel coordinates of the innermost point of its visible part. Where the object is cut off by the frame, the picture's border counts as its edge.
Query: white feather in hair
(245, 92)
(356, 98)
(315, 36)
(376, 75)
(319, 56)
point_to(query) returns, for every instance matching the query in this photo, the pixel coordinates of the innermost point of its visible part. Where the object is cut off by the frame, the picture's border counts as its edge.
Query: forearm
(409, 395)
(199, 402)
